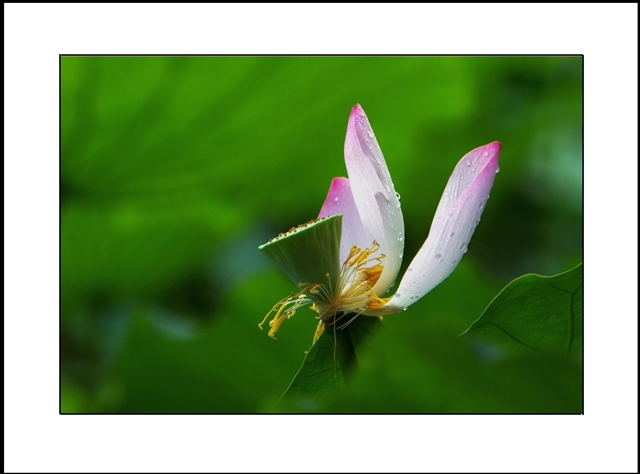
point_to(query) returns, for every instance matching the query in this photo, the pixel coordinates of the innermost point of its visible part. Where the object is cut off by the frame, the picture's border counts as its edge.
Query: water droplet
(438, 255)
(463, 246)
(371, 136)
(404, 309)
(398, 295)
(452, 234)
(335, 199)
(481, 206)
(468, 163)
(412, 297)
(409, 269)
(442, 260)
(398, 196)
(454, 262)
(473, 169)
(486, 153)
(497, 169)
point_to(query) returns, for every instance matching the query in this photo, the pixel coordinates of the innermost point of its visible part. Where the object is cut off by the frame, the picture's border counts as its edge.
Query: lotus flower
(346, 260)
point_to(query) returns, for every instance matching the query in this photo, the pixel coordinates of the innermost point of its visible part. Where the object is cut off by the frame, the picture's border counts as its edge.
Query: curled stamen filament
(288, 306)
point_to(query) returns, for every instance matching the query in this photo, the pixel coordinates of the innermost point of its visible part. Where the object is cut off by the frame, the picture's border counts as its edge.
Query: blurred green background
(175, 169)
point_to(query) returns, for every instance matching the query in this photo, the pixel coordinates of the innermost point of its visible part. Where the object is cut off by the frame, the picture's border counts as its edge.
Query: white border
(38, 439)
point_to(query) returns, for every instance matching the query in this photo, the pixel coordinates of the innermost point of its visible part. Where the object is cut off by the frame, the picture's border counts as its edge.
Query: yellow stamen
(297, 300)
(275, 308)
(352, 295)
(319, 331)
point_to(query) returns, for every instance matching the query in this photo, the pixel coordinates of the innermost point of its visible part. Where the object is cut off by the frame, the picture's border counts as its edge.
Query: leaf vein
(514, 337)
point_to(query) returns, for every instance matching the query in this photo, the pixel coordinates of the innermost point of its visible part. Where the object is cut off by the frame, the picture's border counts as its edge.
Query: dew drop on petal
(335, 199)
(473, 169)
(463, 246)
(409, 269)
(452, 234)
(486, 153)
(468, 163)
(454, 262)
(438, 255)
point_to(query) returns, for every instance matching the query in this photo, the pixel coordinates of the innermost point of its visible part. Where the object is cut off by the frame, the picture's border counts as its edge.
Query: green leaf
(322, 375)
(537, 313)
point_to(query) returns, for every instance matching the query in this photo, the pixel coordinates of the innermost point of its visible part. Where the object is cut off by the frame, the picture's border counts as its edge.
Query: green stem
(344, 351)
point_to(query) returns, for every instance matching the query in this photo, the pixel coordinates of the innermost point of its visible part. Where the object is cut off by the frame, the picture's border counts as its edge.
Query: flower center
(352, 295)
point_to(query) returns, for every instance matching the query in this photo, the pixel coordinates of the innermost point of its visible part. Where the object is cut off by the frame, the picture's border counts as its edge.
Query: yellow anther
(319, 331)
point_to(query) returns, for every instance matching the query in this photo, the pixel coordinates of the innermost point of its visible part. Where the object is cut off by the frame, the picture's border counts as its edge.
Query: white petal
(374, 195)
(339, 200)
(456, 218)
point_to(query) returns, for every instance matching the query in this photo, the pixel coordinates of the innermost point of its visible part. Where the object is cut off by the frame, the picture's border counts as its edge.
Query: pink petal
(456, 218)
(340, 201)
(374, 195)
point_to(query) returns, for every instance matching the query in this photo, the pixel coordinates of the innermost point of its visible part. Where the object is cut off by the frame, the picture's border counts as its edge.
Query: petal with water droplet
(374, 195)
(463, 176)
(458, 217)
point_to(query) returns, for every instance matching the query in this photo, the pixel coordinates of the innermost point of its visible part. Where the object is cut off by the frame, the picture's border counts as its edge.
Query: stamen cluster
(352, 295)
